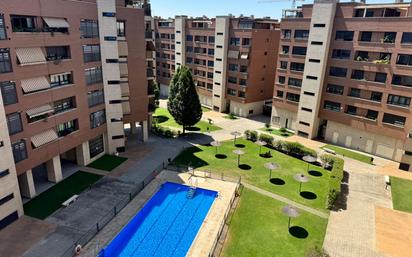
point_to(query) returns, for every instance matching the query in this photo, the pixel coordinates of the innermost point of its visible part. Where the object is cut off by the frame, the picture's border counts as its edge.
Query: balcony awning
(41, 110)
(233, 54)
(34, 84)
(56, 22)
(44, 138)
(244, 56)
(28, 56)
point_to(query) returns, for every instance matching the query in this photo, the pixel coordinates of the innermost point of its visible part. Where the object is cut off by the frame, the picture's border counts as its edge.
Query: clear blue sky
(211, 8)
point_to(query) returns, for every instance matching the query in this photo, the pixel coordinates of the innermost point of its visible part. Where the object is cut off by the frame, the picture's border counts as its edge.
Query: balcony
(380, 11)
(148, 34)
(374, 57)
(31, 24)
(292, 14)
(377, 37)
(149, 73)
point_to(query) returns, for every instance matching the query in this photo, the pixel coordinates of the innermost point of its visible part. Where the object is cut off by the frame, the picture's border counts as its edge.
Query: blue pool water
(166, 226)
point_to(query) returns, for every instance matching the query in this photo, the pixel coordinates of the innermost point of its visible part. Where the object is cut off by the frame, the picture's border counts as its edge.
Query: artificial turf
(258, 228)
(107, 162)
(349, 153)
(401, 194)
(164, 118)
(252, 170)
(50, 200)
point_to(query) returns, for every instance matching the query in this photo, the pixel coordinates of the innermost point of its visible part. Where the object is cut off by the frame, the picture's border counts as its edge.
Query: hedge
(336, 177)
(164, 131)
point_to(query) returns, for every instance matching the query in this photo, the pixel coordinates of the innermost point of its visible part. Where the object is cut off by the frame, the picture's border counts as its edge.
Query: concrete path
(351, 229)
(286, 200)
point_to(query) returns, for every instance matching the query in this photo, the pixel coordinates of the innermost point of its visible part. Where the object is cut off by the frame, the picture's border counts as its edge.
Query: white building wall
(180, 41)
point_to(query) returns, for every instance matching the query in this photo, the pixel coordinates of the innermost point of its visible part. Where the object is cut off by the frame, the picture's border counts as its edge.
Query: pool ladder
(191, 193)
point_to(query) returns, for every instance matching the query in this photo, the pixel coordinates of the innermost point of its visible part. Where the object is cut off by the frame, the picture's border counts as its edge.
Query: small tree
(184, 104)
(156, 92)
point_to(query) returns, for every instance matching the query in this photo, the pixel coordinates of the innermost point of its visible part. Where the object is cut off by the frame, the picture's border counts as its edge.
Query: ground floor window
(96, 146)
(8, 219)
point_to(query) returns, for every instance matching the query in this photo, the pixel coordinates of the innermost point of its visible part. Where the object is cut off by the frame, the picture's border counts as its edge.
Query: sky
(212, 8)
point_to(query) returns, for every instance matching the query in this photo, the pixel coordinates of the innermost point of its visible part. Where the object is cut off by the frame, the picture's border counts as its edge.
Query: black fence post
(115, 211)
(97, 227)
(130, 197)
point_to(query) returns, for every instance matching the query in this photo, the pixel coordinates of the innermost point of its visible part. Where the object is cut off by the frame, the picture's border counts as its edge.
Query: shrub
(247, 134)
(266, 138)
(327, 161)
(267, 126)
(231, 116)
(253, 135)
(335, 180)
(283, 130)
(308, 151)
(278, 145)
(293, 148)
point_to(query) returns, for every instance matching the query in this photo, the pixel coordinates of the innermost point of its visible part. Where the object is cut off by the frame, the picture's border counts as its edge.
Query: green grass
(164, 118)
(50, 200)
(203, 157)
(230, 117)
(349, 154)
(107, 162)
(206, 109)
(259, 229)
(401, 194)
(277, 132)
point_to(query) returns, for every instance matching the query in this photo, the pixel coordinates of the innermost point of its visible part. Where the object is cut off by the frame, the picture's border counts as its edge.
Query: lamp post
(238, 152)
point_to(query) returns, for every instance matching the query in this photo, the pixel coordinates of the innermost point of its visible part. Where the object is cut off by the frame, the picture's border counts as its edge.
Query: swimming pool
(166, 226)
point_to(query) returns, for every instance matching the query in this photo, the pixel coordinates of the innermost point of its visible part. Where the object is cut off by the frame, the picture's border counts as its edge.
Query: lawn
(205, 109)
(350, 154)
(277, 132)
(164, 118)
(401, 194)
(259, 229)
(107, 162)
(283, 183)
(50, 200)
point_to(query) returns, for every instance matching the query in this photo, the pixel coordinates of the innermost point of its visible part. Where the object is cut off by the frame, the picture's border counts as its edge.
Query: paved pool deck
(205, 240)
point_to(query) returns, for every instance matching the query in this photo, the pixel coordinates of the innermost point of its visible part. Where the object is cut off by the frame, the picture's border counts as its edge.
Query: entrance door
(286, 123)
(369, 145)
(348, 141)
(335, 137)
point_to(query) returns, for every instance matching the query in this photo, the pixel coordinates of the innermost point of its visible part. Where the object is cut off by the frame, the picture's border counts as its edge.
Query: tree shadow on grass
(221, 156)
(315, 173)
(277, 181)
(298, 232)
(193, 129)
(240, 145)
(308, 195)
(265, 155)
(161, 118)
(341, 201)
(188, 158)
(245, 167)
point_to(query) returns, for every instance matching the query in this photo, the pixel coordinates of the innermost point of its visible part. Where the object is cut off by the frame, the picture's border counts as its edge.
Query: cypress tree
(184, 104)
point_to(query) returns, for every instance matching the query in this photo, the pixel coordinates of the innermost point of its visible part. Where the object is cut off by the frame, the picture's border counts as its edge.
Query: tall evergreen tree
(184, 104)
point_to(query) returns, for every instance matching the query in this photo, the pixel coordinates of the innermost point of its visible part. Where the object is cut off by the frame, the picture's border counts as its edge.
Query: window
(233, 67)
(301, 34)
(285, 50)
(64, 105)
(319, 43)
(14, 123)
(97, 119)
(295, 82)
(94, 75)
(283, 65)
(406, 38)
(279, 94)
(404, 59)
(4, 173)
(299, 50)
(61, 79)
(401, 80)
(376, 96)
(8, 92)
(246, 41)
(319, 25)
(58, 52)
(241, 94)
(372, 115)
(281, 79)
(311, 77)
(245, 24)
(19, 150)
(211, 39)
(352, 110)
(189, 60)
(234, 41)
(404, 166)
(95, 98)
(314, 60)
(121, 28)
(393, 119)
(399, 100)
(286, 33)
(96, 146)
(201, 39)
(292, 97)
(296, 66)
(23, 23)
(389, 37)
(243, 68)
(304, 123)
(66, 128)
(6, 199)
(355, 92)
(189, 37)
(91, 53)
(332, 106)
(334, 89)
(3, 34)
(110, 38)
(210, 51)
(338, 72)
(231, 92)
(5, 62)
(89, 29)
(242, 82)
(306, 109)
(358, 74)
(232, 80)
(210, 75)
(380, 77)
(366, 36)
(341, 54)
(344, 35)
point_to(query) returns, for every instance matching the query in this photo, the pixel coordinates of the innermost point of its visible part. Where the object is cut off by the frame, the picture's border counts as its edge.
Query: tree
(184, 104)
(156, 92)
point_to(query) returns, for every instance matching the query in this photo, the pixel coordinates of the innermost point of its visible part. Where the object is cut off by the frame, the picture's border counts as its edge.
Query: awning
(34, 84)
(41, 110)
(44, 138)
(233, 54)
(56, 22)
(29, 56)
(244, 56)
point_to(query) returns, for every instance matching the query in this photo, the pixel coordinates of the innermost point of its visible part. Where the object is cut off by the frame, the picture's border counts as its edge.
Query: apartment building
(71, 74)
(345, 75)
(232, 59)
